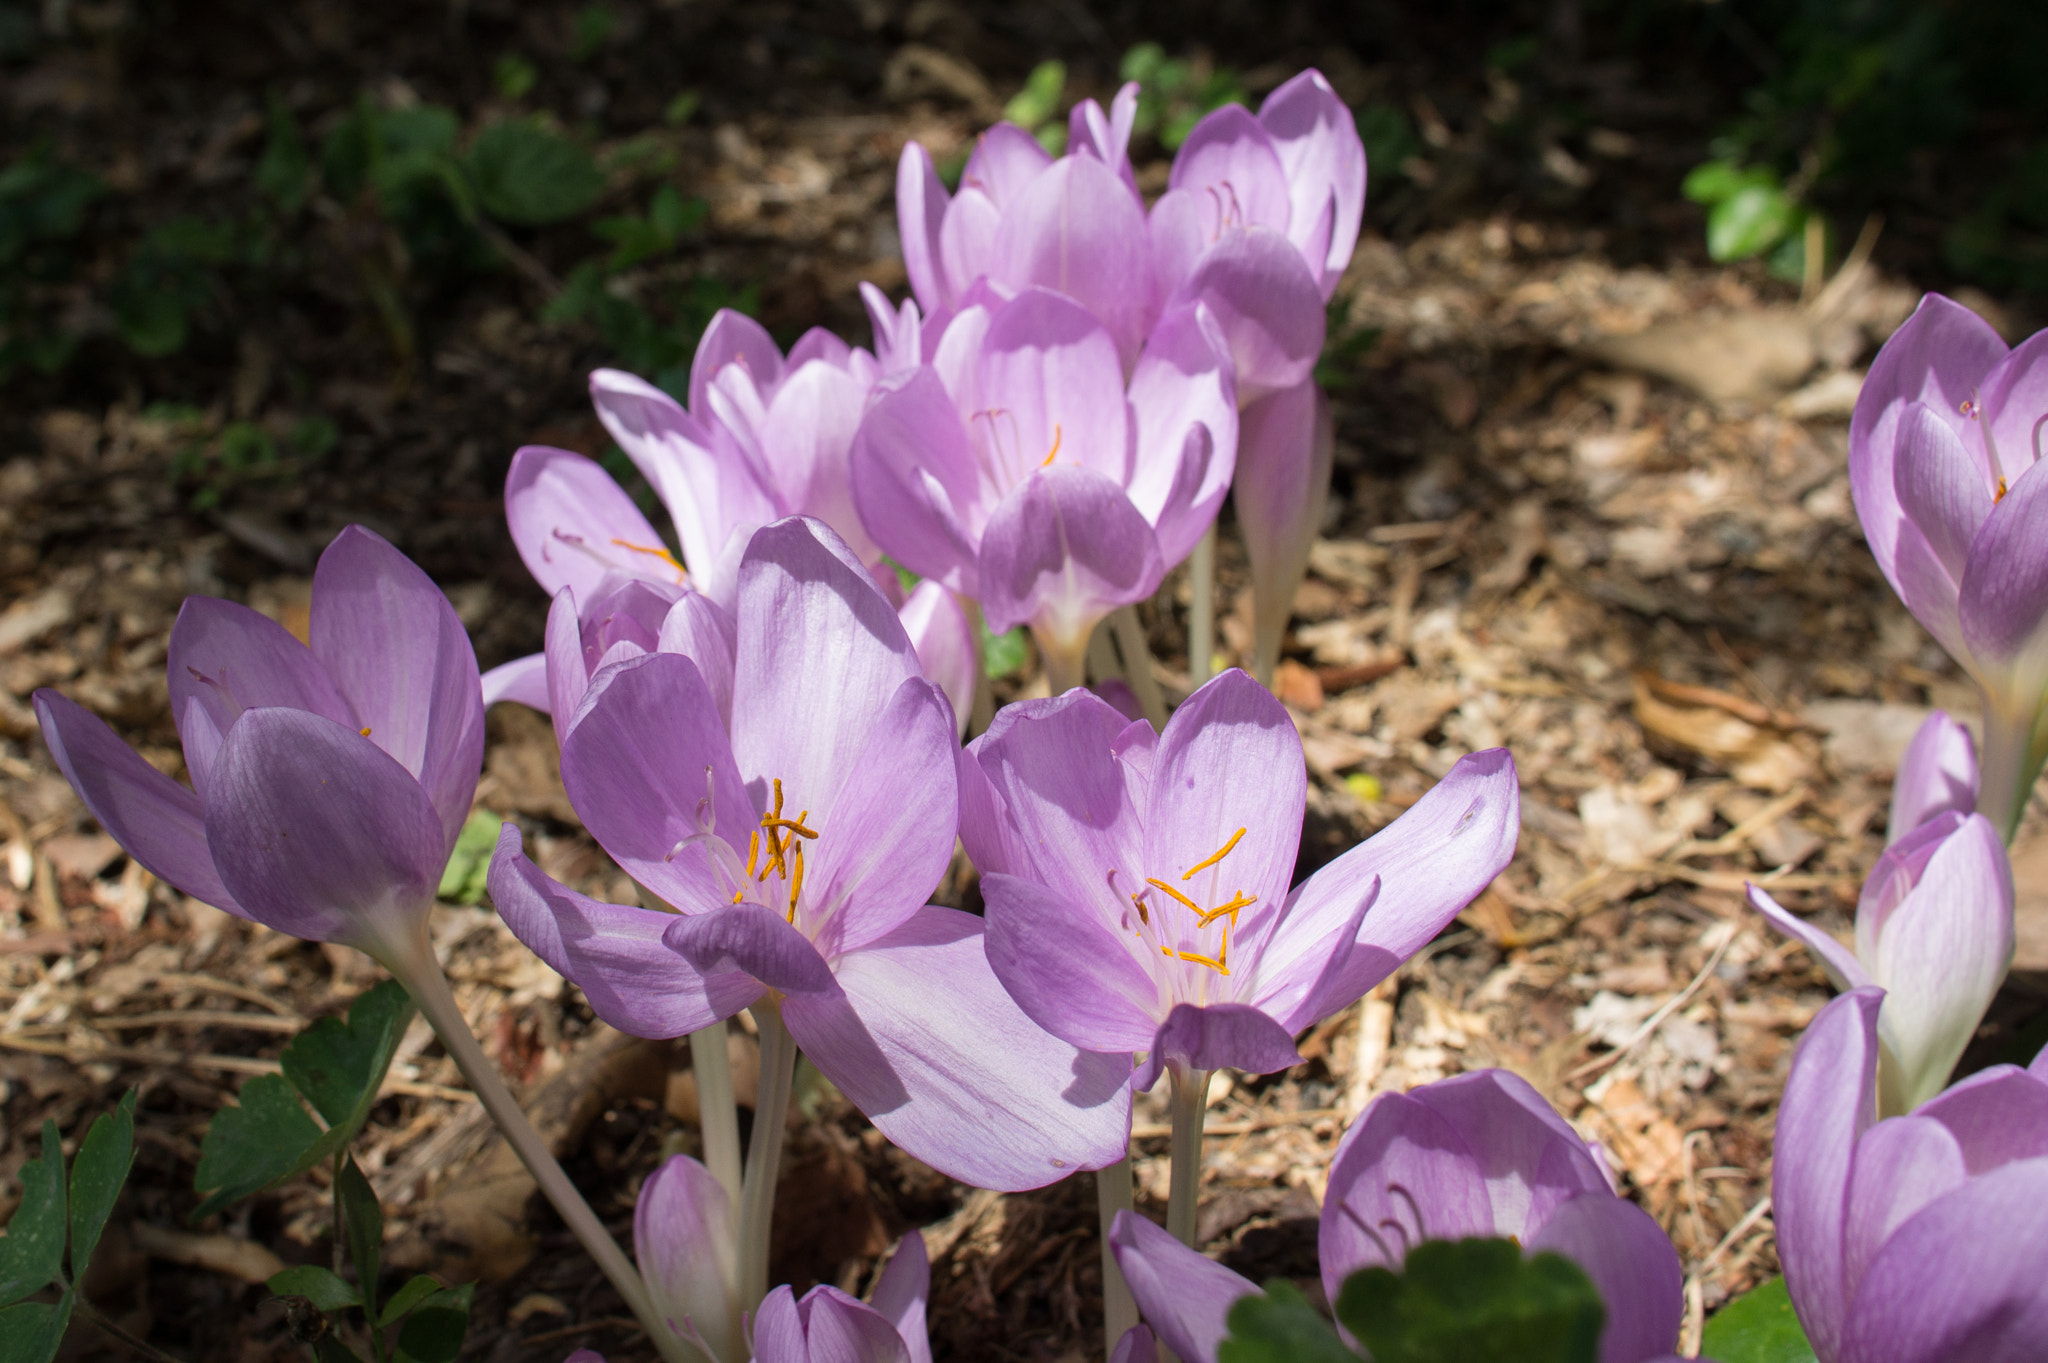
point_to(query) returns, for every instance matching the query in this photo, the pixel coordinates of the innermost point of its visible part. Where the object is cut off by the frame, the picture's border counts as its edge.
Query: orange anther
(1054, 454)
(1156, 884)
(1215, 857)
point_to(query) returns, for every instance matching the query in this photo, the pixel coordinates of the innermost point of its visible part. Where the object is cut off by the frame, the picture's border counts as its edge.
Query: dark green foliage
(1474, 1301)
(526, 175)
(1174, 94)
(32, 1251)
(1757, 1327)
(43, 205)
(1280, 1327)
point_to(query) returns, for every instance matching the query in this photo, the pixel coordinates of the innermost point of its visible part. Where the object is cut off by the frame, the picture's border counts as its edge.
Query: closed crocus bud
(826, 1325)
(1934, 928)
(1937, 774)
(683, 1241)
(329, 779)
(1913, 1239)
(1944, 457)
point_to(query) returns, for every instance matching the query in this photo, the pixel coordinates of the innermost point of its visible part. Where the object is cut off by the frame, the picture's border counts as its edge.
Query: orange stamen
(1055, 447)
(1193, 907)
(1219, 855)
(1240, 900)
(365, 730)
(659, 552)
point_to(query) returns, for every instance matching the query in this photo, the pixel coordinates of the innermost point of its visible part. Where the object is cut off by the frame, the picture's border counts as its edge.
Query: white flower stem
(1137, 656)
(2010, 761)
(717, 1112)
(764, 1152)
(1202, 606)
(1119, 1307)
(1190, 1104)
(422, 978)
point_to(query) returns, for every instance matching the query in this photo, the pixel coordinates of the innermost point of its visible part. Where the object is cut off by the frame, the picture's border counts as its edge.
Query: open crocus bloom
(1478, 1155)
(797, 846)
(615, 584)
(1137, 884)
(1259, 220)
(1484, 1154)
(328, 782)
(1944, 459)
(825, 1325)
(1915, 1239)
(1938, 773)
(1018, 469)
(1934, 928)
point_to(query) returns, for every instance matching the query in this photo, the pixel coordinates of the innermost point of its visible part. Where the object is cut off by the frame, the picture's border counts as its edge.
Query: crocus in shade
(328, 781)
(580, 534)
(797, 846)
(1484, 1154)
(1258, 221)
(1937, 774)
(1934, 928)
(1944, 459)
(1020, 470)
(1914, 1239)
(1137, 884)
(1478, 1155)
(826, 1325)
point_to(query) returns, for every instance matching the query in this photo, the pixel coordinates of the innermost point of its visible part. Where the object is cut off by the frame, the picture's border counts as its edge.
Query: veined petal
(612, 952)
(733, 338)
(902, 1292)
(703, 631)
(684, 1244)
(1401, 1175)
(524, 680)
(841, 1329)
(1078, 230)
(1068, 968)
(1959, 1280)
(1285, 448)
(1630, 1260)
(1062, 551)
(967, 240)
(573, 524)
(224, 659)
(779, 1324)
(921, 201)
(1005, 161)
(397, 650)
(1901, 1165)
(1317, 140)
(1830, 1101)
(568, 673)
(1940, 356)
(1997, 1116)
(320, 833)
(1230, 159)
(1937, 774)
(915, 482)
(2004, 595)
(2013, 398)
(807, 437)
(926, 1042)
(1844, 971)
(1532, 1160)
(1183, 383)
(820, 656)
(650, 771)
(751, 939)
(1185, 1295)
(157, 821)
(944, 640)
(1940, 488)
(1050, 377)
(1267, 305)
(1217, 1036)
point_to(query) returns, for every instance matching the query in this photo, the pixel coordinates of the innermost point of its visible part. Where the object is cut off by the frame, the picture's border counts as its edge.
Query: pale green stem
(1102, 655)
(717, 1112)
(983, 712)
(1130, 642)
(1202, 606)
(2010, 761)
(1119, 1307)
(1190, 1104)
(764, 1152)
(1065, 661)
(422, 977)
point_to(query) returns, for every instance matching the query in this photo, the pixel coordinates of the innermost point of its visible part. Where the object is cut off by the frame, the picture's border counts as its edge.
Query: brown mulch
(1542, 535)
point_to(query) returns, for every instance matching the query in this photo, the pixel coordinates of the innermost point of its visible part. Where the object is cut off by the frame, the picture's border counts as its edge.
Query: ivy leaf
(1280, 1327)
(252, 1146)
(31, 1332)
(529, 176)
(433, 1332)
(97, 1173)
(1475, 1301)
(32, 1251)
(326, 1289)
(1759, 1326)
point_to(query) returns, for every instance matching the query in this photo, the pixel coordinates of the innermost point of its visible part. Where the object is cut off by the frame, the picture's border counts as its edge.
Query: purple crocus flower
(1481, 1154)
(1285, 445)
(1944, 453)
(825, 1325)
(1137, 885)
(1934, 928)
(1020, 470)
(1938, 773)
(328, 781)
(581, 535)
(797, 846)
(1919, 1238)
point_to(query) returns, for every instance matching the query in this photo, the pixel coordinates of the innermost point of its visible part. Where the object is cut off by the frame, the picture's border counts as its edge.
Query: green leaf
(469, 865)
(594, 25)
(528, 176)
(416, 1290)
(32, 1251)
(1712, 181)
(323, 1287)
(31, 1332)
(1474, 1301)
(285, 172)
(1752, 219)
(97, 1173)
(1040, 97)
(513, 76)
(339, 1065)
(1757, 1327)
(252, 1146)
(1002, 654)
(1280, 1327)
(362, 1223)
(433, 1332)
